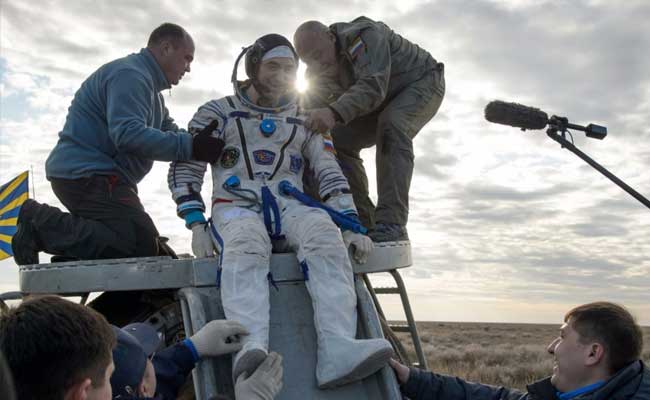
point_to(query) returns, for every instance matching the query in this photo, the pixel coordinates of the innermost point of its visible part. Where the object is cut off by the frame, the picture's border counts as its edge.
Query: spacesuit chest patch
(263, 157)
(229, 157)
(296, 163)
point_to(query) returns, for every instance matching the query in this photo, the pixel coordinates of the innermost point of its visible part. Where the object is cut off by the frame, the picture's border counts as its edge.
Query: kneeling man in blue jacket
(596, 357)
(116, 127)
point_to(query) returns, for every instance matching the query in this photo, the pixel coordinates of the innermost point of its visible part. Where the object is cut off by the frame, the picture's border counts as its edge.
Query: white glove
(362, 245)
(264, 384)
(218, 337)
(202, 245)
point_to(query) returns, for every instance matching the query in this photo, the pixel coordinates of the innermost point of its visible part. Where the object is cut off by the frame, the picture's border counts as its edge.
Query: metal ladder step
(400, 328)
(387, 290)
(410, 327)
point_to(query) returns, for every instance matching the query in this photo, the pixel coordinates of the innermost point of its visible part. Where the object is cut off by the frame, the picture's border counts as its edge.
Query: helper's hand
(320, 120)
(401, 370)
(264, 384)
(362, 245)
(218, 337)
(206, 147)
(202, 245)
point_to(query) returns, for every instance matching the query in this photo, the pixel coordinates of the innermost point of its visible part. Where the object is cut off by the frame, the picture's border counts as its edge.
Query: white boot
(244, 286)
(343, 360)
(248, 359)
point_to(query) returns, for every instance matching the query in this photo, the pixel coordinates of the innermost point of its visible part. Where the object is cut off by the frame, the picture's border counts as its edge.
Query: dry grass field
(511, 355)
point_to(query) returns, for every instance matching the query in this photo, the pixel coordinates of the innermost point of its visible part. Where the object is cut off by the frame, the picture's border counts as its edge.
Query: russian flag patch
(356, 48)
(328, 144)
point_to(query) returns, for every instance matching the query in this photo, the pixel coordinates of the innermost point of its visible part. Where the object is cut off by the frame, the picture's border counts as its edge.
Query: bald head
(309, 33)
(311, 27)
(316, 46)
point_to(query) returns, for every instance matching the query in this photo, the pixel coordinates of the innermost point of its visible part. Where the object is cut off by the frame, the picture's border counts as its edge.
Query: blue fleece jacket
(118, 124)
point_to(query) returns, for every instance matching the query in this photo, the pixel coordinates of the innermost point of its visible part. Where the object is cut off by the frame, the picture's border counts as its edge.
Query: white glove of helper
(202, 245)
(218, 337)
(264, 384)
(362, 245)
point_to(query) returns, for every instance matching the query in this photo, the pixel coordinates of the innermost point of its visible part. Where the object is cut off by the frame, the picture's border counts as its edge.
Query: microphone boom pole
(559, 137)
(524, 117)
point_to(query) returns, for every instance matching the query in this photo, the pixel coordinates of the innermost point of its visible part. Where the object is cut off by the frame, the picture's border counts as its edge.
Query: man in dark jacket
(143, 372)
(117, 125)
(596, 357)
(370, 86)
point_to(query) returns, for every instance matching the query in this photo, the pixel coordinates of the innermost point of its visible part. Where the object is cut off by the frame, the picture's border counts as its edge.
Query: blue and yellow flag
(12, 196)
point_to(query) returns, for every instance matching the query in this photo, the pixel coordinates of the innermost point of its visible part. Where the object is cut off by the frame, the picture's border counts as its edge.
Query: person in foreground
(7, 391)
(142, 371)
(266, 144)
(57, 350)
(596, 357)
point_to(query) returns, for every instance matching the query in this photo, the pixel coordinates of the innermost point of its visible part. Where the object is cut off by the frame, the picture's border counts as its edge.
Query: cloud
(497, 216)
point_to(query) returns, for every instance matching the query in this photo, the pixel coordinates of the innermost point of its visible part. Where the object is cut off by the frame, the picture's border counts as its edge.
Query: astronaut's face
(276, 77)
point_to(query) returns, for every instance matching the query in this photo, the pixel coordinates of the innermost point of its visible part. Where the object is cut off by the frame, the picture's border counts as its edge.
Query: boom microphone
(517, 115)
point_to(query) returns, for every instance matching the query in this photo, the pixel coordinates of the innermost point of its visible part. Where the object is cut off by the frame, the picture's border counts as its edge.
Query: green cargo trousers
(392, 129)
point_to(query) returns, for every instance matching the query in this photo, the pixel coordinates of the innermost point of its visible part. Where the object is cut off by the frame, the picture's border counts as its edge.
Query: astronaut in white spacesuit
(264, 144)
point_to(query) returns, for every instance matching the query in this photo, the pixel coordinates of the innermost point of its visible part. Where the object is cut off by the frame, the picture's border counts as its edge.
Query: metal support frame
(410, 327)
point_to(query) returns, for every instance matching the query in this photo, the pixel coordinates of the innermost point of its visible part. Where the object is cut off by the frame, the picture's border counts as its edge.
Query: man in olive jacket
(370, 86)
(596, 357)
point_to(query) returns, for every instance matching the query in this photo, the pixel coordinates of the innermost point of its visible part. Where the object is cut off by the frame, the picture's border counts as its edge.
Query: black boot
(24, 242)
(385, 232)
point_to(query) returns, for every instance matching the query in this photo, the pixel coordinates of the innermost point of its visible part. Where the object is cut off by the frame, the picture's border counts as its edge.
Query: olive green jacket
(375, 64)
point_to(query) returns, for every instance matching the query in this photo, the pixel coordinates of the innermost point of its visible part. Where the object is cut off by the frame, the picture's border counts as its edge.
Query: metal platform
(292, 331)
(150, 273)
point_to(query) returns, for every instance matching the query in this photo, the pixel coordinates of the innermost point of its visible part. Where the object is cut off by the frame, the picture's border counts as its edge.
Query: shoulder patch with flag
(357, 48)
(12, 196)
(328, 143)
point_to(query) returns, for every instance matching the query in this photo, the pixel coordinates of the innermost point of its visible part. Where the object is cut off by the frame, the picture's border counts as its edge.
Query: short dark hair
(613, 326)
(7, 391)
(52, 344)
(167, 31)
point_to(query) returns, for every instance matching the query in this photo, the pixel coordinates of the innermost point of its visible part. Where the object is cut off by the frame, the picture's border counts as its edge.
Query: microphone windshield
(517, 115)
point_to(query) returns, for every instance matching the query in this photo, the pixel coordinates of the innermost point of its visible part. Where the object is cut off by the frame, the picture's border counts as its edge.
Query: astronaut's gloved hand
(202, 244)
(362, 245)
(264, 384)
(218, 337)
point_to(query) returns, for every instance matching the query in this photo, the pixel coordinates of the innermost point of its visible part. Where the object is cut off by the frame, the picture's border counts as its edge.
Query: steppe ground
(510, 355)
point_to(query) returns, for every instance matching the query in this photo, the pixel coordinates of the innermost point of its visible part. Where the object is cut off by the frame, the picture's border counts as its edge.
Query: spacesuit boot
(244, 284)
(342, 359)
(248, 359)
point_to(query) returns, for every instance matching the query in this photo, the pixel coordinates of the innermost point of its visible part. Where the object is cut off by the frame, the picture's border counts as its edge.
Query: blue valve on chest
(267, 127)
(232, 182)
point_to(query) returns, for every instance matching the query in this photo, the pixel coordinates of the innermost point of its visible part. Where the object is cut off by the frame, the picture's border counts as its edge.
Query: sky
(505, 225)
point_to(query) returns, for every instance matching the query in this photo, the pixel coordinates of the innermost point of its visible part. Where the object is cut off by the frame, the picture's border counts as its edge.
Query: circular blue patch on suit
(267, 127)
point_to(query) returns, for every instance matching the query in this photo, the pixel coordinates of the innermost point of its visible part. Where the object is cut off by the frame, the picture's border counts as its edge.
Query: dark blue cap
(135, 343)
(147, 336)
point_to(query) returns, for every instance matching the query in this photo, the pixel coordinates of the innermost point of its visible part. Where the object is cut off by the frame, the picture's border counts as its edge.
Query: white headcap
(279, 52)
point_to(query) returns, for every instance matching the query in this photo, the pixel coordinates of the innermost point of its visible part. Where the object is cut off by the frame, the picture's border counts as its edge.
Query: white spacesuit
(263, 147)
